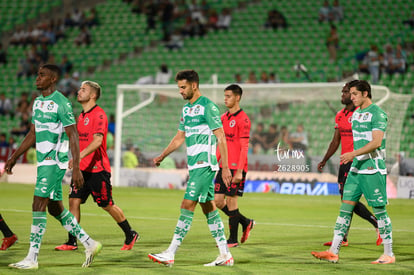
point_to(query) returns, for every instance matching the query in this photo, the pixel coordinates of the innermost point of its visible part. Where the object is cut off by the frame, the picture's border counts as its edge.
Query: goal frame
(214, 90)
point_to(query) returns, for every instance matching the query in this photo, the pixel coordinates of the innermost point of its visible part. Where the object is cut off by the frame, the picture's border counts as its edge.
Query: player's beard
(346, 101)
(189, 95)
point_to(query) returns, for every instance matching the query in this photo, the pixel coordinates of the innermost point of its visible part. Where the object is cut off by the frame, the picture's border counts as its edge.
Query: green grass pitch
(288, 228)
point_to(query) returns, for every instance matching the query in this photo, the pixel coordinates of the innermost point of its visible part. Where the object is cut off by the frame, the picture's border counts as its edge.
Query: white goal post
(132, 99)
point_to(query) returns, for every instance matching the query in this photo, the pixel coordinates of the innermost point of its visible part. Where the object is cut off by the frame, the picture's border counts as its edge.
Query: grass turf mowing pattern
(287, 229)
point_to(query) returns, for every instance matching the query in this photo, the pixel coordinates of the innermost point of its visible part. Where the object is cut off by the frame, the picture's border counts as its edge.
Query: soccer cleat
(246, 231)
(384, 259)
(91, 253)
(131, 243)
(66, 247)
(344, 243)
(25, 264)
(231, 244)
(326, 256)
(379, 239)
(166, 258)
(222, 260)
(9, 241)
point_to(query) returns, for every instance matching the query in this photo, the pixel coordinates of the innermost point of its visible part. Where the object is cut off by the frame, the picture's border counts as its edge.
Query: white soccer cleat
(223, 259)
(25, 264)
(166, 258)
(91, 253)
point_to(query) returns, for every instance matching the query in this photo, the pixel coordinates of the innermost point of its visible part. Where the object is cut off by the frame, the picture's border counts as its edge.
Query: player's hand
(70, 164)
(77, 178)
(226, 176)
(10, 163)
(238, 176)
(347, 157)
(157, 160)
(321, 165)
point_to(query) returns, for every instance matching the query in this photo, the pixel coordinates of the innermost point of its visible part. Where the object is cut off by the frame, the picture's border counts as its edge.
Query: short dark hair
(54, 68)
(362, 86)
(236, 89)
(189, 75)
(347, 85)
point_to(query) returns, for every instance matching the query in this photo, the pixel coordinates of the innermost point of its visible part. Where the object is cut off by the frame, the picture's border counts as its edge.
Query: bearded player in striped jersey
(236, 125)
(200, 126)
(367, 175)
(343, 136)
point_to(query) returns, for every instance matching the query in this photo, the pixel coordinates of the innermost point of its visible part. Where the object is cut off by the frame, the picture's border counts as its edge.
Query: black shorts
(97, 184)
(234, 188)
(342, 175)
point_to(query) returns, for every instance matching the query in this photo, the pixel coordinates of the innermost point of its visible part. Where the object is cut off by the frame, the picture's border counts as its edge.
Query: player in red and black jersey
(236, 125)
(93, 128)
(343, 136)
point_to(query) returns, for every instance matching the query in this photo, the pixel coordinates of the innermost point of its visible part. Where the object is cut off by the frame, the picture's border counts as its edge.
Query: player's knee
(106, 207)
(220, 203)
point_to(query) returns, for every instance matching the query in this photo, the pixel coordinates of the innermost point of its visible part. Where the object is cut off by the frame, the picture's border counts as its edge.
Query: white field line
(175, 218)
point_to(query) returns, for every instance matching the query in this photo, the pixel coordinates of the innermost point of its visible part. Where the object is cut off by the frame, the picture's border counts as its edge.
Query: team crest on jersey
(232, 123)
(365, 116)
(86, 122)
(197, 110)
(50, 106)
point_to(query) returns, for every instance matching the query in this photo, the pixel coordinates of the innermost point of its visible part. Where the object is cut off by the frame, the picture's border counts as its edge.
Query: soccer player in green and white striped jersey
(53, 129)
(367, 175)
(201, 128)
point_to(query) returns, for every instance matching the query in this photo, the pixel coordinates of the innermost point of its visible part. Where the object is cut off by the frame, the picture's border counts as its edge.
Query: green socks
(216, 226)
(341, 226)
(385, 228)
(183, 226)
(36, 234)
(70, 223)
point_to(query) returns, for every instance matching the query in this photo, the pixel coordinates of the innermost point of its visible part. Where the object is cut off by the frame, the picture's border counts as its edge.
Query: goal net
(147, 116)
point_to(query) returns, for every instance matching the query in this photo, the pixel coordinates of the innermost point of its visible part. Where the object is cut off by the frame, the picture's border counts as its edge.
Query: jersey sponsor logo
(43, 189)
(214, 108)
(191, 130)
(232, 123)
(217, 119)
(86, 122)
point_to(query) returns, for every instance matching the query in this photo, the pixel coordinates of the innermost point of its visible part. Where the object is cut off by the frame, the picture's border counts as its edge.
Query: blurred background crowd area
(259, 41)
